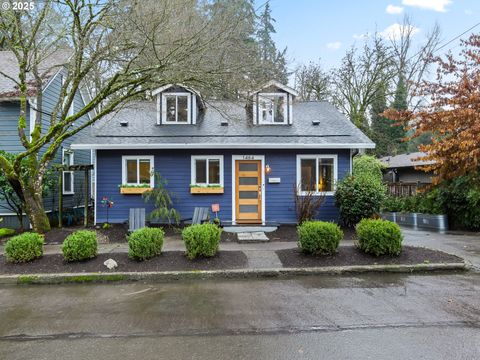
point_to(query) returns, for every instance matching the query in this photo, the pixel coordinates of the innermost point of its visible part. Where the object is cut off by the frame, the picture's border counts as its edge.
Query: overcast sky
(313, 29)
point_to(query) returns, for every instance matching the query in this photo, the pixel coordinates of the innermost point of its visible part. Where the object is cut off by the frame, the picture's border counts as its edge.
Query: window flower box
(206, 189)
(133, 190)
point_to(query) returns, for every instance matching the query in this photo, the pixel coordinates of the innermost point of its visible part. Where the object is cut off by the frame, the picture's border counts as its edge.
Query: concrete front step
(246, 229)
(257, 236)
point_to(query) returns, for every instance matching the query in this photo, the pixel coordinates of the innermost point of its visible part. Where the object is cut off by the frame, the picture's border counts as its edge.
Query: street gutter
(162, 276)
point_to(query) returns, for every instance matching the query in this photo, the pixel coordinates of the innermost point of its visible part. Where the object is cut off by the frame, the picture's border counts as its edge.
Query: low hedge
(379, 237)
(319, 237)
(145, 243)
(81, 245)
(24, 247)
(6, 232)
(201, 240)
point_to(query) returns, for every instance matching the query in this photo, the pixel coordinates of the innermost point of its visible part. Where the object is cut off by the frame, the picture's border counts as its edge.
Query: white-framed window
(176, 108)
(272, 108)
(68, 180)
(138, 170)
(207, 170)
(317, 173)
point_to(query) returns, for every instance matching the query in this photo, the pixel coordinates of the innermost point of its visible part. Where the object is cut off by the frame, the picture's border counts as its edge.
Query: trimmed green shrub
(359, 198)
(379, 237)
(81, 245)
(461, 199)
(425, 203)
(24, 247)
(319, 237)
(145, 243)
(6, 232)
(368, 166)
(201, 240)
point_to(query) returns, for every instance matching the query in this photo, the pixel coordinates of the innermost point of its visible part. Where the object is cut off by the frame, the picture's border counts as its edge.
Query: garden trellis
(86, 170)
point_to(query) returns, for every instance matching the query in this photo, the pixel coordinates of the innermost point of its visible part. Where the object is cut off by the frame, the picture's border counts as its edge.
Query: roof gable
(185, 87)
(48, 68)
(278, 85)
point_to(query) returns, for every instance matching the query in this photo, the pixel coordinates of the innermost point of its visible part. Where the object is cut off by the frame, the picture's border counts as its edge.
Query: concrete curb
(63, 278)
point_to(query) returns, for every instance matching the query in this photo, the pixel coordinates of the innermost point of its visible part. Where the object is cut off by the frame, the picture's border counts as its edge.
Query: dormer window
(176, 108)
(272, 104)
(177, 104)
(272, 108)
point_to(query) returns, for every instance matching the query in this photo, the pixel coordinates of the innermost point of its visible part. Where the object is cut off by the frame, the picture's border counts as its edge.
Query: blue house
(249, 157)
(53, 68)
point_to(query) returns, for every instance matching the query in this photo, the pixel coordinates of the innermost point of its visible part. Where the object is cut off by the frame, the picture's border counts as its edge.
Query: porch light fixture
(268, 169)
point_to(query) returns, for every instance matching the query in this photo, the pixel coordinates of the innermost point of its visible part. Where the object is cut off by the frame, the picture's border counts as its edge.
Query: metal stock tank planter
(418, 220)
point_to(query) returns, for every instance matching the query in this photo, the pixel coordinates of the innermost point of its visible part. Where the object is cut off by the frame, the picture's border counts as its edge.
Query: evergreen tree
(267, 45)
(400, 103)
(274, 62)
(380, 126)
(242, 50)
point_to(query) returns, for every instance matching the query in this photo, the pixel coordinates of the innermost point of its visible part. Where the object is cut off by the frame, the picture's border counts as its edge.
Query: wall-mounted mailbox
(274, 180)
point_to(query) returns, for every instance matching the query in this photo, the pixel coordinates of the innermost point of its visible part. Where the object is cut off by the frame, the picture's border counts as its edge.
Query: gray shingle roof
(9, 66)
(404, 160)
(334, 129)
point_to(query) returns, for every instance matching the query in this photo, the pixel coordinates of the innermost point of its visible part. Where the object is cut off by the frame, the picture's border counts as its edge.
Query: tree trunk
(20, 221)
(35, 210)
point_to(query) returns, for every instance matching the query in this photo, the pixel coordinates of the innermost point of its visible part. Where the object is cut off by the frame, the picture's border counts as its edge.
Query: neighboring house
(53, 69)
(246, 157)
(401, 168)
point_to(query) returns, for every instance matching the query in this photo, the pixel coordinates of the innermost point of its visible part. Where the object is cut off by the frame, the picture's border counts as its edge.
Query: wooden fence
(400, 189)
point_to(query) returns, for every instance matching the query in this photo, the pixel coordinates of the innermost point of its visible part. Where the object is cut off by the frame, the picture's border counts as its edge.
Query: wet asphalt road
(329, 317)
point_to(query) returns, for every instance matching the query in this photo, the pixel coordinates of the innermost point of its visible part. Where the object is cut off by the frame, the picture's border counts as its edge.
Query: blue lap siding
(175, 167)
(9, 141)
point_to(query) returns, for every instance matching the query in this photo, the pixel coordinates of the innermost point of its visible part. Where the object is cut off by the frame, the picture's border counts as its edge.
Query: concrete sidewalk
(173, 244)
(464, 245)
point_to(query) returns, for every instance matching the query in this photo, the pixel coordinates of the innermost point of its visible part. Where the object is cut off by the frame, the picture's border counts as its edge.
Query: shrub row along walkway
(234, 257)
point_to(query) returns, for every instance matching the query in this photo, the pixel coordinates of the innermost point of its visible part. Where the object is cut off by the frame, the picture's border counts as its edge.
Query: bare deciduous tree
(361, 74)
(312, 83)
(411, 64)
(121, 50)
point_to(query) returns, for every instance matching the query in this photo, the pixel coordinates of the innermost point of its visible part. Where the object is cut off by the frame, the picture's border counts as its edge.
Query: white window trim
(33, 114)
(138, 157)
(285, 109)
(316, 157)
(164, 107)
(193, 169)
(72, 176)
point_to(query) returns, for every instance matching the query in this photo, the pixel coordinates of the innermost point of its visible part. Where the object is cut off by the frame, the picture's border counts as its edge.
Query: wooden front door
(248, 191)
